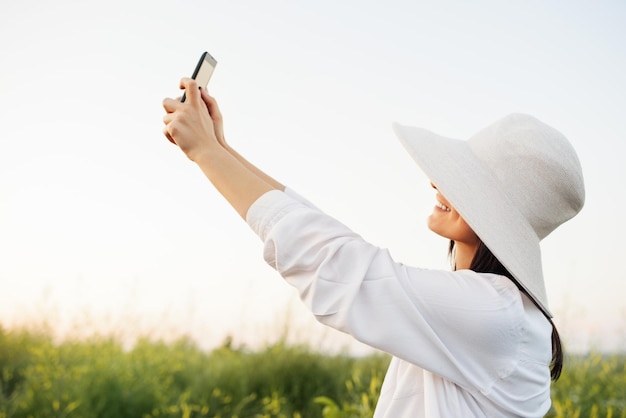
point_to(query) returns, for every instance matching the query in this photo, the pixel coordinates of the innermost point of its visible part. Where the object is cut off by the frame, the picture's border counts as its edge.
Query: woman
(473, 342)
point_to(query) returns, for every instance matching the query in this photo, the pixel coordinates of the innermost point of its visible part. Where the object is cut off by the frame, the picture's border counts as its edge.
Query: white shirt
(463, 344)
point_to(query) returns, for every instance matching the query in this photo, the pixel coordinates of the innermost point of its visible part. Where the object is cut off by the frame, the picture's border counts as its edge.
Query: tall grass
(97, 377)
(591, 386)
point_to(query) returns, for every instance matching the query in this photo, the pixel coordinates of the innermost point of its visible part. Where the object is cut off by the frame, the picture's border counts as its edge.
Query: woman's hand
(216, 116)
(195, 125)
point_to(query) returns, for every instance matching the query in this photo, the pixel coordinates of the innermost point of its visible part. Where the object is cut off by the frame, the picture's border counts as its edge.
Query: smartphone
(204, 70)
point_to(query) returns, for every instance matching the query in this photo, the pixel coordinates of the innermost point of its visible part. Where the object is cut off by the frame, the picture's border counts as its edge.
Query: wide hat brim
(474, 193)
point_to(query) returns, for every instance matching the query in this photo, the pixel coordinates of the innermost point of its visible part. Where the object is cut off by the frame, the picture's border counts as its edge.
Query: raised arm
(216, 116)
(196, 126)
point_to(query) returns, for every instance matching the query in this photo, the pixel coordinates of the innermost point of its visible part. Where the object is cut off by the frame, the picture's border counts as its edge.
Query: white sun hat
(513, 182)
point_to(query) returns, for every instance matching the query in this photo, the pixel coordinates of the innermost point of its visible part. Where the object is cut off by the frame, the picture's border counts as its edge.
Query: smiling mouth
(442, 207)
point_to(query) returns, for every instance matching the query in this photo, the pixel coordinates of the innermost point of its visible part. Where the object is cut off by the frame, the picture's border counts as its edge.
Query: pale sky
(107, 227)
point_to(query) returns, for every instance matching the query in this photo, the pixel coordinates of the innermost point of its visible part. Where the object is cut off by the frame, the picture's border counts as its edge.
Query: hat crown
(536, 168)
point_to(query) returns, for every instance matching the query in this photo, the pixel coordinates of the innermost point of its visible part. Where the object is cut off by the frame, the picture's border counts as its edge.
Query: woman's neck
(464, 255)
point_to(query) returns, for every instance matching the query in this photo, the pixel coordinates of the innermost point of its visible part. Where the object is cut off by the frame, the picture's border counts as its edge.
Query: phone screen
(204, 70)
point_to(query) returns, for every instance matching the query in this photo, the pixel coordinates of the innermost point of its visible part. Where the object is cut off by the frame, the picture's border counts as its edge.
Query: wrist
(205, 152)
(226, 146)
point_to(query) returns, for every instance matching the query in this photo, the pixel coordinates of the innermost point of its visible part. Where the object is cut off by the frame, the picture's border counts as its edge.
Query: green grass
(591, 386)
(98, 378)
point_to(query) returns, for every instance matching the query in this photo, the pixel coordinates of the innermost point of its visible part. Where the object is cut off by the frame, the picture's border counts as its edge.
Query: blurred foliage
(591, 386)
(98, 378)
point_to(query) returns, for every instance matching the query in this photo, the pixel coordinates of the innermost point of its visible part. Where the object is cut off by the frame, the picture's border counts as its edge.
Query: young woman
(473, 342)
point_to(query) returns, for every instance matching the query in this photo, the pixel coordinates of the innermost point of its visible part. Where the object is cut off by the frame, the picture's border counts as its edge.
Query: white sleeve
(460, 325)
(292, 193)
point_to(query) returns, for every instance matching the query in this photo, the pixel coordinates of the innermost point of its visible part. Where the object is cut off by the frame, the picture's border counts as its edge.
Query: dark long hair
(485, 262)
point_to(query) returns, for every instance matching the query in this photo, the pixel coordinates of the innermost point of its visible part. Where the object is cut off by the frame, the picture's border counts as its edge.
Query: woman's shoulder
(484, 312)
(466, 291)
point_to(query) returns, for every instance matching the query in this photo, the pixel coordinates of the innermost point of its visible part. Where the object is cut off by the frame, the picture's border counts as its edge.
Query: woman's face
(447, 222)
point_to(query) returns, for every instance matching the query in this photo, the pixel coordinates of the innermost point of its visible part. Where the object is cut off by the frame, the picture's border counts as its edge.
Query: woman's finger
(191, 89)
(168, 136)
(211, 104)
(216, 115)
(171, 105)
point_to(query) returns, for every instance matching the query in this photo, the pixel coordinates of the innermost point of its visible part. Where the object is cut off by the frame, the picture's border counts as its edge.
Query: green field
(98, 378)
